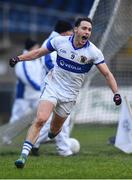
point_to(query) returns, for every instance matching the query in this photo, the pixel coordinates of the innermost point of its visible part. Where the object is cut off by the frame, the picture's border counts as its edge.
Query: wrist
(117, 92)
(17, 58)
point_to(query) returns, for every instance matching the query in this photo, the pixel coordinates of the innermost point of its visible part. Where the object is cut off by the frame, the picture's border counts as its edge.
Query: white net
(112, 31)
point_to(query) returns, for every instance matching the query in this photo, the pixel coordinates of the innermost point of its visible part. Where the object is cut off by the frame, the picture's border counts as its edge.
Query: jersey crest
(85, 60)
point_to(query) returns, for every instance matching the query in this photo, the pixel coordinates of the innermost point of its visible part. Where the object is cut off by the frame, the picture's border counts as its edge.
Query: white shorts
(62, 107)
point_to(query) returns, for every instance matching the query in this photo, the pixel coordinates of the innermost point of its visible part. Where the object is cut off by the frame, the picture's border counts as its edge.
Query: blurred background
(20, 19)
(112, 32)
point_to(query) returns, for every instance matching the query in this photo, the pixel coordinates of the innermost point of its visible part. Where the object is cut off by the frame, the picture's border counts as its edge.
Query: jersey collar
(84, 46)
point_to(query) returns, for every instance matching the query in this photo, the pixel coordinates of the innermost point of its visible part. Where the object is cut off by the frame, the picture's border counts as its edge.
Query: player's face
(82, 33)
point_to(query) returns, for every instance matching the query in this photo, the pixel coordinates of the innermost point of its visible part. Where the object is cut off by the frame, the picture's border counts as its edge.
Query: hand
(13, 61)
(117, 99)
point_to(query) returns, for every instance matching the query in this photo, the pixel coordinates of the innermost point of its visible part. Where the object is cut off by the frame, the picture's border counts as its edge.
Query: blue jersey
(72, 65)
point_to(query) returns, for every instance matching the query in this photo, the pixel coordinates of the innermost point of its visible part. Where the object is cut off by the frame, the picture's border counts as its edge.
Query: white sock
(27, 146)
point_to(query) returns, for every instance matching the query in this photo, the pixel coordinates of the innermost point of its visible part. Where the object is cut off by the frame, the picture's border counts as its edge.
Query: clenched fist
(117, 99)
(13, 61)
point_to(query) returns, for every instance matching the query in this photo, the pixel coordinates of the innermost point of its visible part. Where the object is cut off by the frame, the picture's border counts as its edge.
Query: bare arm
(34, 54)
(103, 68)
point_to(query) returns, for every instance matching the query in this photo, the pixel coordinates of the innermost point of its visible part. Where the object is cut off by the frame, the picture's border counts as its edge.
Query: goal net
(112, 31)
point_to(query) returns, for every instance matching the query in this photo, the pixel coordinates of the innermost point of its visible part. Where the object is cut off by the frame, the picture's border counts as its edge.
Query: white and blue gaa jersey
(72, 65)
(49, 60)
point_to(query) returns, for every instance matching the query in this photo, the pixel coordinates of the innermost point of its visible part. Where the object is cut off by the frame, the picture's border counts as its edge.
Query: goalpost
(112, 28)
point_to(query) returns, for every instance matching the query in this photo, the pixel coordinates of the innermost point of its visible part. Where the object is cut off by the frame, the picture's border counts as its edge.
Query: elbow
(37, 54)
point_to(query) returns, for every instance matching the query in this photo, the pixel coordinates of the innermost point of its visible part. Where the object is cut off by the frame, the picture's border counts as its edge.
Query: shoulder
(93, 46)
(94, 49)
(59, 40)
(52, 35)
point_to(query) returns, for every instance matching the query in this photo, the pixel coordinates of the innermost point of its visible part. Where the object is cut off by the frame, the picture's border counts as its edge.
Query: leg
(56, 125)
(67, 146)
(62, 110)
(63, 139)
(68, 126)
(44, 110)
(43, 137)
(53, 124)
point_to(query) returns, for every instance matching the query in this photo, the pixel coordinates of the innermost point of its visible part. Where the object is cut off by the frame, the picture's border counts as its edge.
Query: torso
(72, 66)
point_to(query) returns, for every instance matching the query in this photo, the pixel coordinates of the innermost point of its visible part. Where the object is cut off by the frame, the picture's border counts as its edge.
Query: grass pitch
(96, 160)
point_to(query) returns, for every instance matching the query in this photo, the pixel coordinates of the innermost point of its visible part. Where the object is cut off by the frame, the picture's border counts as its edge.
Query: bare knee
(40, 121)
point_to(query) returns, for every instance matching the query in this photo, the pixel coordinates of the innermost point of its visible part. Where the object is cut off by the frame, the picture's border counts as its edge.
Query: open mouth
(84, 38)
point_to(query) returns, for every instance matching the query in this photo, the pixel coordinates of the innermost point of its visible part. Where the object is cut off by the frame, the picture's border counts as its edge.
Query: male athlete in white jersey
(28, 91)
(75, 57)
(63, 140)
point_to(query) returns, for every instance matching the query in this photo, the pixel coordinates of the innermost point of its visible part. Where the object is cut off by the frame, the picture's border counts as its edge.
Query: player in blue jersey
(75, 57)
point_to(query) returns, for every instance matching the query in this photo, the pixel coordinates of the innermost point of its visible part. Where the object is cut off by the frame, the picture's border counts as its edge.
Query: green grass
(96, 160)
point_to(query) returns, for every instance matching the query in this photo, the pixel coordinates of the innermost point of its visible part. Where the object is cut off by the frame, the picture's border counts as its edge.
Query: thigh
(63, 109)
(45, 108)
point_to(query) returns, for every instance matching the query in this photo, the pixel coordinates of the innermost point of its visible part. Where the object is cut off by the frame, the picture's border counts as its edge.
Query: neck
(76, 43)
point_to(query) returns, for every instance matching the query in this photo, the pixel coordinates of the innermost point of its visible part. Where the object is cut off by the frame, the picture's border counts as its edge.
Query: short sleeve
(51, 44)
(99, 57)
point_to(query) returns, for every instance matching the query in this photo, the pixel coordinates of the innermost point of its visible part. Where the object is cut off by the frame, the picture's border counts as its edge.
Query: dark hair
(29, 43)
(62, 26)
(80, 19)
